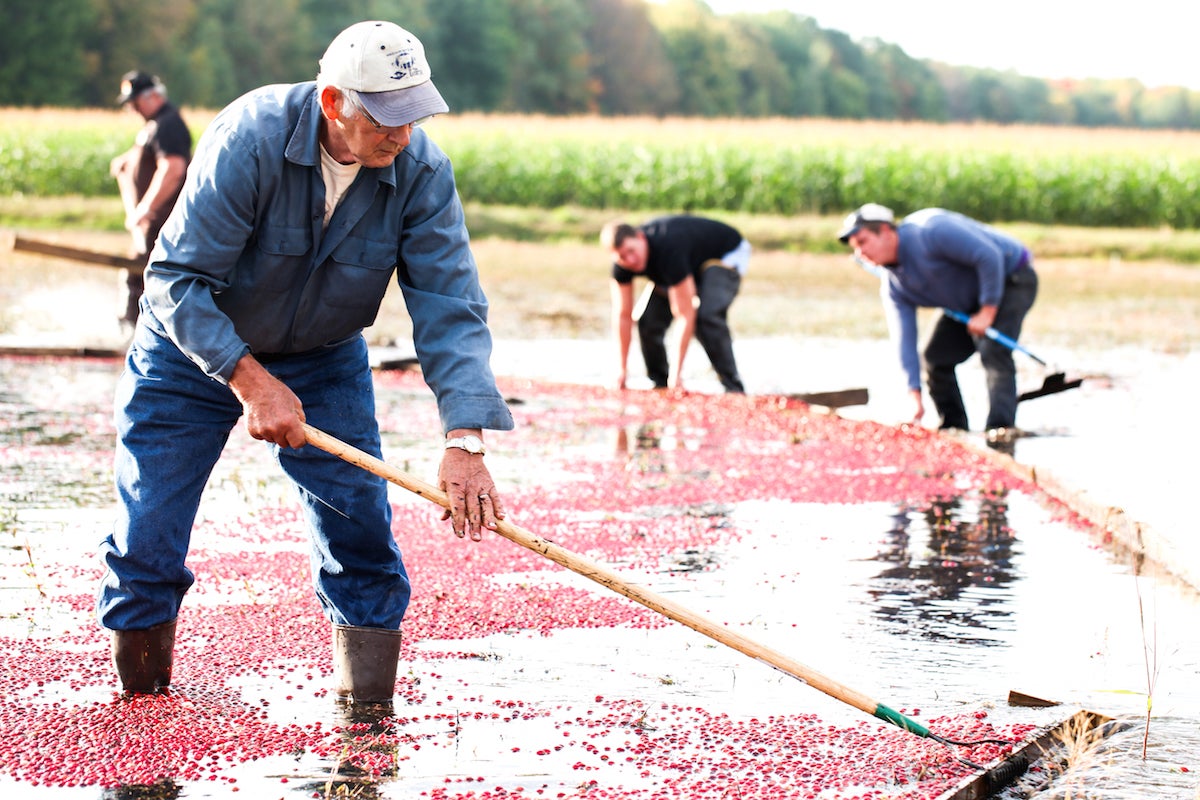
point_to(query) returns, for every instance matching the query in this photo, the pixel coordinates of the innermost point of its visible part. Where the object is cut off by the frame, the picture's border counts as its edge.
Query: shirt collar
(304, 148)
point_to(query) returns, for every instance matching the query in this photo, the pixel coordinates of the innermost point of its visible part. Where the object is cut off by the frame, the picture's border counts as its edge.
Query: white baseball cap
(871, 212)
(386, 65)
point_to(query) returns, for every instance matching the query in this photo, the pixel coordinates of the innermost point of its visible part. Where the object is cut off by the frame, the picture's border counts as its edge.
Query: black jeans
(950, 345)
(717, 287)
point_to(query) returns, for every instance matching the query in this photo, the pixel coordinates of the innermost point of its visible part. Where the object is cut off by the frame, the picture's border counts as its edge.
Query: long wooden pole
(657, 603)
(75, 253)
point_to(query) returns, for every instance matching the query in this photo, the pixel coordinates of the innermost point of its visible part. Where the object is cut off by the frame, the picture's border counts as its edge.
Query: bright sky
(1154, 41)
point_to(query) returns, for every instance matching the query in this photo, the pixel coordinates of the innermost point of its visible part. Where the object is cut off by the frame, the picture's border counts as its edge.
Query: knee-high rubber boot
(143, 658)
(364, 663)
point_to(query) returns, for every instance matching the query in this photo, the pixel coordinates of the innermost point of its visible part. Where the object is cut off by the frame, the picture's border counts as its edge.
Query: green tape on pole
(899, 720)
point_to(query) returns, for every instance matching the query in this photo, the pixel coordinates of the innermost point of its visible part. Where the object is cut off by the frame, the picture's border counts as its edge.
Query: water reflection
(163, 790)
(369, 756)
(648, 447)
(949, 563)
(642, 447)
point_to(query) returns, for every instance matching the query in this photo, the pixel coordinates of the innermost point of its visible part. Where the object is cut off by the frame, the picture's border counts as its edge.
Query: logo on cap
(407, 65)
(386, 65)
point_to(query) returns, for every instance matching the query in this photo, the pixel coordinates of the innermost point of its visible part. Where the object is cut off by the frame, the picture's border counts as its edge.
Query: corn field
(1059, 176)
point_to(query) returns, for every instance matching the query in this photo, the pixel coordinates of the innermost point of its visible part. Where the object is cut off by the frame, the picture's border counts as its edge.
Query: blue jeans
(173, 422)
(949, 345)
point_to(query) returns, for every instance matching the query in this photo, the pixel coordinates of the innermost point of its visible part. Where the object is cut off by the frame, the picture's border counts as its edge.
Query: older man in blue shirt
(303, 202)
(942, 259)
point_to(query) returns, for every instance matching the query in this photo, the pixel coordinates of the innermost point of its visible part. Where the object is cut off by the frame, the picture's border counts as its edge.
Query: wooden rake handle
(607, 578)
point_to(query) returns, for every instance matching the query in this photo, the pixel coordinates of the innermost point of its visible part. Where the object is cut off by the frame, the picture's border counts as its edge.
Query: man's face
(144, 104)
(371, 146)
(878, 248)
(362, 139)
(631, 255)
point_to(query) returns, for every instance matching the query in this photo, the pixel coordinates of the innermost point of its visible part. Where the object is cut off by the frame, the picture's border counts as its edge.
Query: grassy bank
(1101, 286)
(548, 278)
(798, 233)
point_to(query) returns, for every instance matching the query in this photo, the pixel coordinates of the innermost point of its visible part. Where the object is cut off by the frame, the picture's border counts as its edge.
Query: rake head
(1053, 384)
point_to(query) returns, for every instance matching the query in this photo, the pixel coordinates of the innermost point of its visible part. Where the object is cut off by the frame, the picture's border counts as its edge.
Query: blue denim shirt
(245, 265)
(945, 260)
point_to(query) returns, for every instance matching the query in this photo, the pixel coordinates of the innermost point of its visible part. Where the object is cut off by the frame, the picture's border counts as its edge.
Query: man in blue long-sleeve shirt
(941, 259)
(302, 204)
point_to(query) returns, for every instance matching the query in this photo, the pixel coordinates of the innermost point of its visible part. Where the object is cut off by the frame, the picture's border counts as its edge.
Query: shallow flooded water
(896, 564)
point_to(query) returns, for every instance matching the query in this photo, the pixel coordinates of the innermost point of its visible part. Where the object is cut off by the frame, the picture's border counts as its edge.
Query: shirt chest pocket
(280, 257)
(357, 273)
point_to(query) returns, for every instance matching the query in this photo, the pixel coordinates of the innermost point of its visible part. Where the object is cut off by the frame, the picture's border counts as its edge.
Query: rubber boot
(143, 658)
(364, 663)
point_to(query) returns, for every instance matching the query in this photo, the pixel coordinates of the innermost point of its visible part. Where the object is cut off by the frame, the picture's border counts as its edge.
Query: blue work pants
(173, 422)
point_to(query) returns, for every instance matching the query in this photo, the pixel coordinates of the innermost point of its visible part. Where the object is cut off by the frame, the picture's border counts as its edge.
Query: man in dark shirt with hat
(149, 174)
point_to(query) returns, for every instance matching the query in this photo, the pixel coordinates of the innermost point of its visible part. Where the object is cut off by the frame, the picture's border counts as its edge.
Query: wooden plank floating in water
(61, 352)
(1016, 698)
(1040, 746)
(401, 364)
(838, 399)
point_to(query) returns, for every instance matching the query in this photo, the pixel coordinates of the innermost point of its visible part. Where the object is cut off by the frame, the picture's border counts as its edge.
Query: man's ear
(331, 102)
(892, 240)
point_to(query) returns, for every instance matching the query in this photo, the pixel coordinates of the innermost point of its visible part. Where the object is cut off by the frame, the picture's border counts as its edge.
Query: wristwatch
(470, 443)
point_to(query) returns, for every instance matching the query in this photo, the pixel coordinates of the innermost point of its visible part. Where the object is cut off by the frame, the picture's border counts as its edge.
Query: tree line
(559, 57)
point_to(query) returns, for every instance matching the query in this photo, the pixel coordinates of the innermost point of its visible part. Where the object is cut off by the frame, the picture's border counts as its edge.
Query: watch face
(472, 444)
